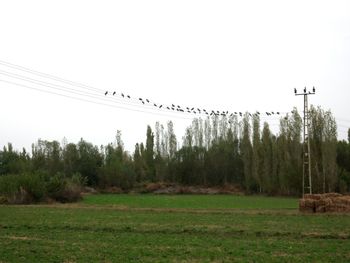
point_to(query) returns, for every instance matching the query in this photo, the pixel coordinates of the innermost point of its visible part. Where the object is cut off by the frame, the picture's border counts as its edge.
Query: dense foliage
(216, 151)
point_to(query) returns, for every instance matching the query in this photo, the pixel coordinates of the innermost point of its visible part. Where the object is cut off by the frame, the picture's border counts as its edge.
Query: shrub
(25, 188)
(55, 185)
(63, 189)
(33, 188)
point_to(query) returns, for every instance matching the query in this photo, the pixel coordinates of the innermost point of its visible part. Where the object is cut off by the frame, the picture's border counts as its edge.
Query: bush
(33, 188)
(22, 189)
(64, 189)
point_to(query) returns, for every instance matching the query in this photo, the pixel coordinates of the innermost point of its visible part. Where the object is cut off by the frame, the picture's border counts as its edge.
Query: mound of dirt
(322, 203)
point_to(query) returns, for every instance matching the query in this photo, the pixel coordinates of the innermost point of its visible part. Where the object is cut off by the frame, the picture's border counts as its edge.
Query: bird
(128, 96)
(272, 112)
(114, 93)
(147, 100)
(305, 90)
(122, 95)
(168, 108)
(143, 102)
(160, 106)
(235, 112)
(258, 113)
(140, 99)
(278, 113)
(173, 105)
(155, 105)
(313, 89)
(106, 93)
(192, 109)
(295, 91)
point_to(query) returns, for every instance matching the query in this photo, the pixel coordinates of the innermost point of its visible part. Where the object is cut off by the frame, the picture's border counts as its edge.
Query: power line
(68, 90)
(90, 101)
(45, 75)
(90, 92)
(195, 110)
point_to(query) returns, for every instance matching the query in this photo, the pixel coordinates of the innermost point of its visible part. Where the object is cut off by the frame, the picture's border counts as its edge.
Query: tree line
(216, 151)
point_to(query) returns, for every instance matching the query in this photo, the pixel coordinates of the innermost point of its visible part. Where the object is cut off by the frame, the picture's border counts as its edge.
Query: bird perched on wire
(313, 89)
(295, 91)
(305, 90)
(106, 93)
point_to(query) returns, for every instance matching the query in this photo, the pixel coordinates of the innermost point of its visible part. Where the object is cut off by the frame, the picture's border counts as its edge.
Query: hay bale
(313, 196)
(331, 195)
(307, 205)
(321, 203)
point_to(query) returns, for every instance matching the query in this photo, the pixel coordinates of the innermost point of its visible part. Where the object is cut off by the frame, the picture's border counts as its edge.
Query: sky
(57, 59)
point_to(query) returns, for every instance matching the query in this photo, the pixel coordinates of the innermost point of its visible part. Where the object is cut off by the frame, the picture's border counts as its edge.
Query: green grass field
(183, 228)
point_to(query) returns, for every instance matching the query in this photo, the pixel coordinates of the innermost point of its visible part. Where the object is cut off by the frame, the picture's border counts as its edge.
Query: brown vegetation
(322, 203)
(169, 188)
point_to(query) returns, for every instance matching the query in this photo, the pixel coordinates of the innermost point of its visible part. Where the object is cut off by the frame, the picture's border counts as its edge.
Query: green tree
(247, 153)
(149, 155)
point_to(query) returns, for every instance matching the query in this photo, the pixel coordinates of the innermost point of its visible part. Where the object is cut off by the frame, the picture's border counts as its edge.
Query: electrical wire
(179, 109)
(90, 101)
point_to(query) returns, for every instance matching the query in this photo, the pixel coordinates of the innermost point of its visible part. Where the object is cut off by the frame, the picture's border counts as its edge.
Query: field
(183, 228)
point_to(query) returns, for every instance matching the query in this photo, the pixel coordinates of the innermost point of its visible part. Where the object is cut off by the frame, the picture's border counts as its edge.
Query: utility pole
(306, 137)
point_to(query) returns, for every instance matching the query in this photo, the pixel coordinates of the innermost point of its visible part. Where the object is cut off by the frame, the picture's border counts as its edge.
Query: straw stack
(321, 203)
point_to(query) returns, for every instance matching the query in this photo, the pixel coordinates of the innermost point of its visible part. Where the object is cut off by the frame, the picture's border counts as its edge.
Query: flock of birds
(193, 110)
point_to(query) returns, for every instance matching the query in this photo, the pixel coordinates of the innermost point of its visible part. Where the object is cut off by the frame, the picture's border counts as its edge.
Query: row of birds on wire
(192, 110)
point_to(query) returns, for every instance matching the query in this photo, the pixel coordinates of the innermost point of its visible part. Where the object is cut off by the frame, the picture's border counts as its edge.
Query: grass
(188, 228)
(193, 201)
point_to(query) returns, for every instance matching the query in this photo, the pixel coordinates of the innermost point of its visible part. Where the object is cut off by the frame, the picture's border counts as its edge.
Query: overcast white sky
(226, 55)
